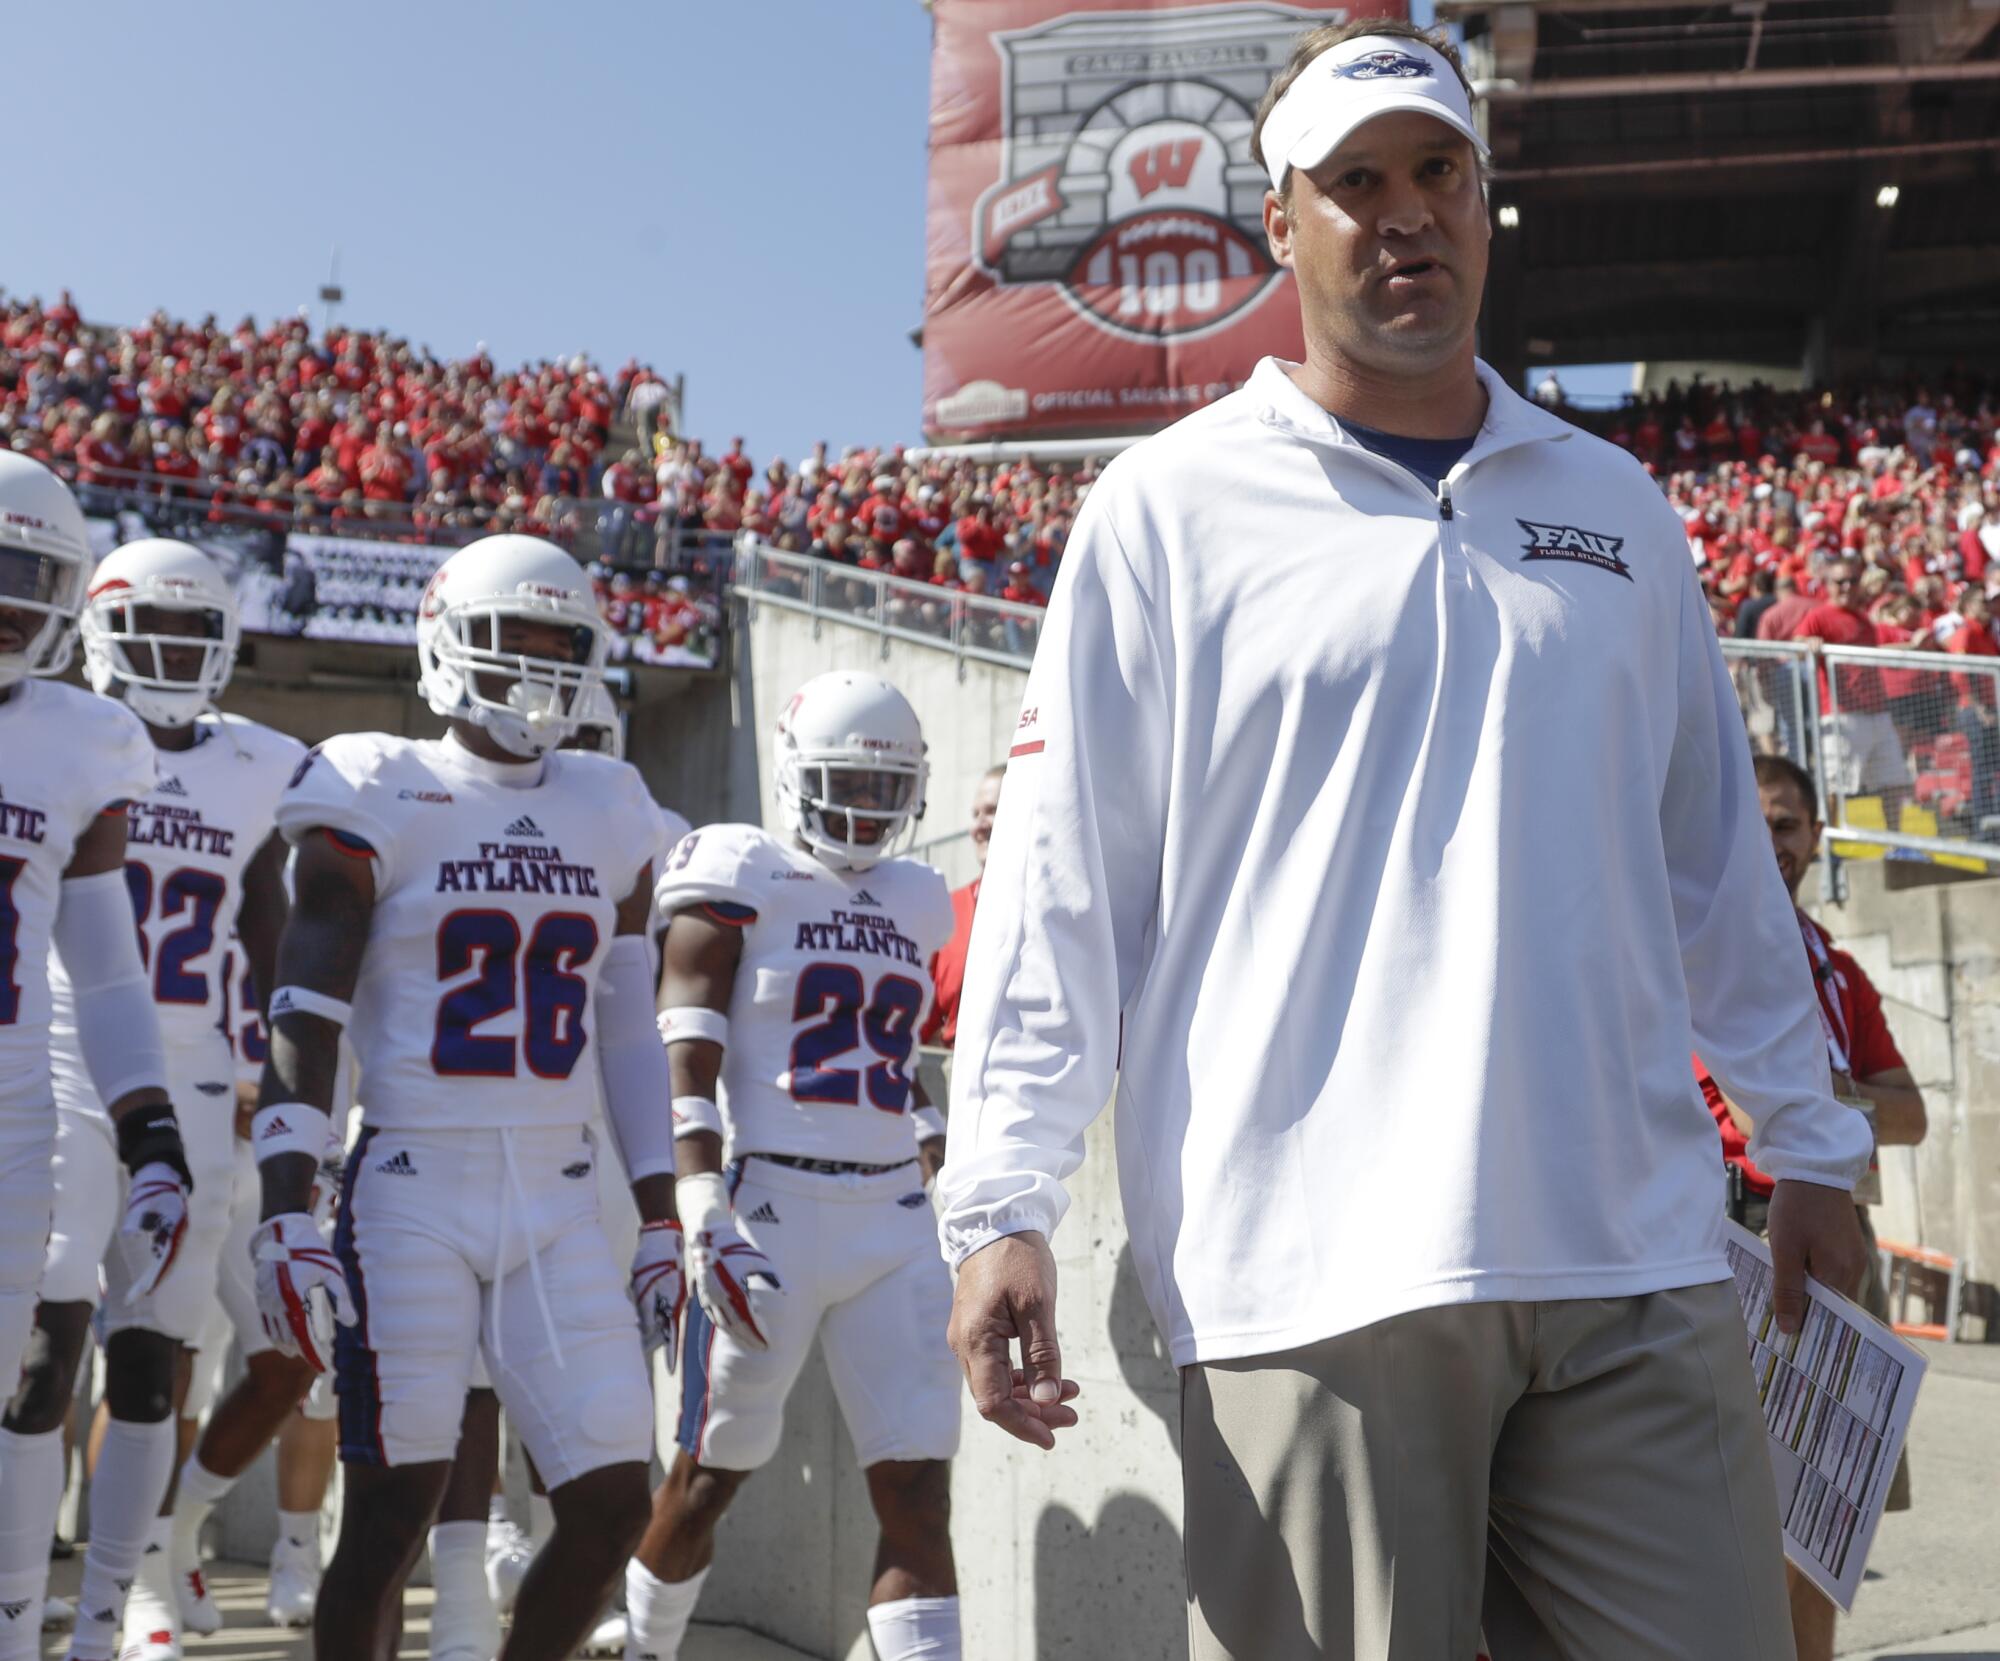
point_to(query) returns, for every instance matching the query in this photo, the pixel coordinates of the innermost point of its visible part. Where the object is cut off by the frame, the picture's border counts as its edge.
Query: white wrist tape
(303, 1000)
(691, 1021)
(929, 1123)
(290, 1127)
(702, 1201)
(696, 1113)
(117, 1027)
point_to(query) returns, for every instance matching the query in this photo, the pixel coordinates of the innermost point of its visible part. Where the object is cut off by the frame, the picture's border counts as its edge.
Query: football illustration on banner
(1120, 212)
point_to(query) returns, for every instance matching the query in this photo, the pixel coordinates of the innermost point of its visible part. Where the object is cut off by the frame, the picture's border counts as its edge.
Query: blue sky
(732, 189)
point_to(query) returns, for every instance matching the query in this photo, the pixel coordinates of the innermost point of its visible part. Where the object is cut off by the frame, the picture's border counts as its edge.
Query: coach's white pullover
(1413, 840)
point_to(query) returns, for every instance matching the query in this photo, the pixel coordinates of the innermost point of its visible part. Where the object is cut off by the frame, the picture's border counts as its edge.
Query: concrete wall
(1068, 1556)
(1935, 955)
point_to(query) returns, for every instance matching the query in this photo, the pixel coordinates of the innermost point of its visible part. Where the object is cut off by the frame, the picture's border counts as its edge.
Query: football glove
(154, 1224)
(659, 1285)
(733, 1280)
(301, 1291)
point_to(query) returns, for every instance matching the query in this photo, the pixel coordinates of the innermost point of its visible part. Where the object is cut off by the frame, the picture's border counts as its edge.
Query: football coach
(1381, 818)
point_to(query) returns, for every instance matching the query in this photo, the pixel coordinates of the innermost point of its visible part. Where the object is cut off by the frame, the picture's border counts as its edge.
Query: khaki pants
(1585, 1480)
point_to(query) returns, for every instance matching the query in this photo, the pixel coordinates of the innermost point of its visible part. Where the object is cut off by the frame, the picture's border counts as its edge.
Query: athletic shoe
(509, 1551)
(191, 1600)
(58, 1615)
(294, 1588)
(608, 1638)
(150, 1632)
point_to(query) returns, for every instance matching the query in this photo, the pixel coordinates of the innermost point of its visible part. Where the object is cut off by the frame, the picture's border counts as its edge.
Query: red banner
(1096, 259)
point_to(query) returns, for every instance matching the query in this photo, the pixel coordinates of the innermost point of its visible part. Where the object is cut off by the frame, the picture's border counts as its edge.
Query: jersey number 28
(835, 998)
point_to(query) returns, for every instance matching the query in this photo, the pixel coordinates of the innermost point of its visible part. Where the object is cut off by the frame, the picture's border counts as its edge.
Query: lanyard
(1827, 983)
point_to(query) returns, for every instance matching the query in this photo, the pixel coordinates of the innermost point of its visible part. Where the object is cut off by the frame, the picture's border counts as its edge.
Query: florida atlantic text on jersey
(65, 756)
(496, 894)
(187, 841)
(831, 990)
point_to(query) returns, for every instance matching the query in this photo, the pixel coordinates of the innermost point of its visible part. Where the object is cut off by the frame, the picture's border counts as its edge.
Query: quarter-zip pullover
(1408, 843)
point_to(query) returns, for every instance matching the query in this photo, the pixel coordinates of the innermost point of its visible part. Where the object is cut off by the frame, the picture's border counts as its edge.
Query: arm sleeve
(638, 1091)
(1750, 995)
(1068, 901)
(117, 1027)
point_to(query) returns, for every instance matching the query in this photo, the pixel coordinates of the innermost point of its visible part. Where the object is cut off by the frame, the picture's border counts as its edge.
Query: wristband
(152, 1136)
(303, 1000)
(702, 1200)
(688, 1022)
(929, 1123)
(290, 1127)
(696, 1113)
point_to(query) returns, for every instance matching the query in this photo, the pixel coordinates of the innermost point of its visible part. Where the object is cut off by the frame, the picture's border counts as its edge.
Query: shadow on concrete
(1141, 1351)
(1093, 1599)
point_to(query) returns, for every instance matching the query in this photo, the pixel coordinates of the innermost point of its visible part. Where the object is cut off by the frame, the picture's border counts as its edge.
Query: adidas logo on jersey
(577, 1171)
(863, 897)
(763, 1214)
(14, 1609)
(398, 1164)
(170, 786)
(523, 826)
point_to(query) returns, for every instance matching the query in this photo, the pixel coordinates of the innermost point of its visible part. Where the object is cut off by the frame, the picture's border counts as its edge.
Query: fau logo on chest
(1567, 542)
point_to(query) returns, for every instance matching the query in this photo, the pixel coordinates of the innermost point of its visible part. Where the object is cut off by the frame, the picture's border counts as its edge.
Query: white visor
(1354, 82)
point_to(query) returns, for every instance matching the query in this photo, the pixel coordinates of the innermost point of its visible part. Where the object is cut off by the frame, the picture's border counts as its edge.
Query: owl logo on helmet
(850, 768)
(159, 630)
(1384, 65)
(509, 639)
(44, 563)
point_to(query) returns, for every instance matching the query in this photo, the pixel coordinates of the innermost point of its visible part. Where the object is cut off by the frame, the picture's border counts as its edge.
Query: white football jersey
(831, 990)
(495, 901)
(65, 756)
(187, 841)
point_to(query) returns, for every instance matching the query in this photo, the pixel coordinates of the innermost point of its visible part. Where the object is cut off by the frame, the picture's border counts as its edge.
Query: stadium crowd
(1778, 490)
(351, 425)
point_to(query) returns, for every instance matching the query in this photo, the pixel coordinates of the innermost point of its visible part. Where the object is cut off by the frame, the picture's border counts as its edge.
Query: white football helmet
(528, 703)
(850, 748)
(44, 561)
(121, 656)
(597, 725)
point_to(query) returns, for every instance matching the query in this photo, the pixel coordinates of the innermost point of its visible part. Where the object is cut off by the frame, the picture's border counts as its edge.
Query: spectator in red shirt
(978, 537)
(1868, 1073)
(1864, 753)
(385, 474)
(1976, 717)
(948, 967)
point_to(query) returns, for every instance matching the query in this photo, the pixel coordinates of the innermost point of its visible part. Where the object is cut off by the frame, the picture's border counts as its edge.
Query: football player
(472, 912)
(159, 632)
(797, 976)
(172, 1593)
(69, 763)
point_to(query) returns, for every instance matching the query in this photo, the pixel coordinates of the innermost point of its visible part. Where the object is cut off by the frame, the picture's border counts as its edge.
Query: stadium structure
(1805, 184)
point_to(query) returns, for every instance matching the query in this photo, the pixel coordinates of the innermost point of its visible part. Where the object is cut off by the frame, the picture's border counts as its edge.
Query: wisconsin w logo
(1168, 163)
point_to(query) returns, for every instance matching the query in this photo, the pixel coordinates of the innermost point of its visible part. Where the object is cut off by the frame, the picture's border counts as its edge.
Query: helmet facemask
(852, 811)
(527, 699)
(44, 591)
(169, 658)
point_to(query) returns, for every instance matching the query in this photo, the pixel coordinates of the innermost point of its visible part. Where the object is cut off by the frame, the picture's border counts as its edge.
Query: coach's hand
(1007, 1290)
(1813, 1231)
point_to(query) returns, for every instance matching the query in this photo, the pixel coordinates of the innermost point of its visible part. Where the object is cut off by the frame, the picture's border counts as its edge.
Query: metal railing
(1904, 745)
(967, 625)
